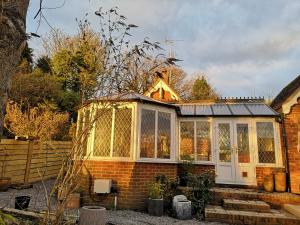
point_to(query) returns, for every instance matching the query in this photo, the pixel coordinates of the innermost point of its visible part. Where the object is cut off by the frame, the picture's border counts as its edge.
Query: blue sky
(245, 48)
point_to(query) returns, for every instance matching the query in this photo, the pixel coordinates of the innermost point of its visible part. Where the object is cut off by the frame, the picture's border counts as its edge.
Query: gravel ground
(127, 217)
(119, 217)
(37, 194)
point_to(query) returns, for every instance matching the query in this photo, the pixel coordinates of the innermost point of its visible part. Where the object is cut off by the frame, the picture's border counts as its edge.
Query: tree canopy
(202, 89)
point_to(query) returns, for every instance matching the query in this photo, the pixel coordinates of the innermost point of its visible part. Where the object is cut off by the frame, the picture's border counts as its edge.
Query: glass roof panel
(221, 109)
(239, 109)
(260, 109)
(203, 110)
(187, 109)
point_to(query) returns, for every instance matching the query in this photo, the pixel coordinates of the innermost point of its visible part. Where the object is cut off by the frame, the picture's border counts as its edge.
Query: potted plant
(186, 168)
(73, 200)
(5, 182)
(155, 201)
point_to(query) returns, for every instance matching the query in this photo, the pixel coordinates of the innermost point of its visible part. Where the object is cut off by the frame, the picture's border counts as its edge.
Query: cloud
(241, 45)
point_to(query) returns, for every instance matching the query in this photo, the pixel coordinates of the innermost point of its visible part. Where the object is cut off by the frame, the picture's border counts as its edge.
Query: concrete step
(246, 205)
(215, 213)
(292, 209)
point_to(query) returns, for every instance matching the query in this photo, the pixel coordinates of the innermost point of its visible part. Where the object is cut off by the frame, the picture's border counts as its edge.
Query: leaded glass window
(163, 135)
(103, 128)
(122, 132)
(187, 140)
(86, 124)
(82, 133)
(243, 143)
(113, 132)
(265, 142)
(224, 142)
(203, 147)
(147, 134)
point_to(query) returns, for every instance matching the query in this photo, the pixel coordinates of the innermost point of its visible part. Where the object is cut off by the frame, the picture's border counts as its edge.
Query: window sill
(204, 163)
(157, 161)
(92, 158)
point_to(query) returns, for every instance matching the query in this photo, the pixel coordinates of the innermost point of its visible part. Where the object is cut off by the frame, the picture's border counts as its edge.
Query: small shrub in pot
(199, 191)
(155, 201)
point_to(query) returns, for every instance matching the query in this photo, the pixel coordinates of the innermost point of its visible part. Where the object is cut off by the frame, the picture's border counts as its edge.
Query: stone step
(275, 199)
(246, 205)
(215, 213)
(292, 209)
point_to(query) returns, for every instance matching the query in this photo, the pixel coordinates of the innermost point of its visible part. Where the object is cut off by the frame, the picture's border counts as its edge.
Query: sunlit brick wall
(292, 124)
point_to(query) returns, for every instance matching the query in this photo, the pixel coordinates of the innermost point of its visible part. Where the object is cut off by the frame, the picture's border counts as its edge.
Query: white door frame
(233, 172)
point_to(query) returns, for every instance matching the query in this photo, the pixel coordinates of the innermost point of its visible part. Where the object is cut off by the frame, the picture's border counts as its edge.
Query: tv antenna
(170, 43)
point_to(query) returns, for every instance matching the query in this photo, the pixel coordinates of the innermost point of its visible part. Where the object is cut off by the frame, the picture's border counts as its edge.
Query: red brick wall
(291, 123)
(261, 172)
(131, 179)
(166, 96)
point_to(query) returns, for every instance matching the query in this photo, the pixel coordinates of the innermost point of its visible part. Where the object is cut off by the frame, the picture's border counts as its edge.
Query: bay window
(155, 134)
(113, 133)
(195, 140)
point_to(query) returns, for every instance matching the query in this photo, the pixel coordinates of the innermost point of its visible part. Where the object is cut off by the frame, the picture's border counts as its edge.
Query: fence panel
(30, 161)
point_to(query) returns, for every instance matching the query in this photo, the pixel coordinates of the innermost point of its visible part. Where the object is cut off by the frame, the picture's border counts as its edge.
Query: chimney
(165, 75)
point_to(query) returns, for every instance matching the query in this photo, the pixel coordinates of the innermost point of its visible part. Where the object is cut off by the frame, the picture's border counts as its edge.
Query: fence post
(28, 162)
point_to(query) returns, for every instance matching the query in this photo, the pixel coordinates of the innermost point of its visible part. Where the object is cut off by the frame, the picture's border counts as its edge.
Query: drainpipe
(287, 165)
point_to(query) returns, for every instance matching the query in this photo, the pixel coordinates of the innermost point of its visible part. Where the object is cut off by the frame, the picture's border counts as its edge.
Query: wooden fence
(30, 161)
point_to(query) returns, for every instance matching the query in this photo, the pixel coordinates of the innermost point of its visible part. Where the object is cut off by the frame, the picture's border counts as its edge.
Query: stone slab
(246, 205)
(293, 209)
(274, 217)
(275, 199)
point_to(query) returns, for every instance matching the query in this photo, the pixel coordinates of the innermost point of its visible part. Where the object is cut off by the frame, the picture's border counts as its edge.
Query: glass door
(244, 168)
(225, 168)
(234, 156)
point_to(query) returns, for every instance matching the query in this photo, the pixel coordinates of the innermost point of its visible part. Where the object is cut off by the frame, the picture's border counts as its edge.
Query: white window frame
(212, 143)
(277, 143)
(91, 142)
(172, 141)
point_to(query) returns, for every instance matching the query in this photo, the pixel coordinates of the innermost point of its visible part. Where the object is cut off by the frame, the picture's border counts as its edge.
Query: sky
(244, 47)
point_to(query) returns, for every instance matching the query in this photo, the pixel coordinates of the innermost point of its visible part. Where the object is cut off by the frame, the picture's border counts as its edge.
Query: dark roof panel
(239, 109)
(203, 110)
(227, 109)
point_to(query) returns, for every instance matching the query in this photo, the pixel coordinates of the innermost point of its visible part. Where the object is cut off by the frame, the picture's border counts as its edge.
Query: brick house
(288, 104)
(137, 137)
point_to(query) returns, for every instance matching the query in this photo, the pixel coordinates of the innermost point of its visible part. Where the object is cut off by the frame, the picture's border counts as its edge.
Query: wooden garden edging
(31, 161)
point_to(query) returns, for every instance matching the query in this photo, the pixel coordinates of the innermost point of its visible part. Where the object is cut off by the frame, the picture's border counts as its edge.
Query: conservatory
(239, 139)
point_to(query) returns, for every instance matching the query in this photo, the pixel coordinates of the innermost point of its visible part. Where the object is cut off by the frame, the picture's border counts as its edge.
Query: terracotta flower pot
(269, 183)
(73, 201)
(5, 183)
(280, 181)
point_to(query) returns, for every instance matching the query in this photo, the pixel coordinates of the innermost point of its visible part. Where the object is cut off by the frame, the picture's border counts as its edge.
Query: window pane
(187, 140)
(224, 142)
(147, 134)
(265, 142)
(103, 128)
(203, 141)
(163, 135)
(122, 133)
(243, 143)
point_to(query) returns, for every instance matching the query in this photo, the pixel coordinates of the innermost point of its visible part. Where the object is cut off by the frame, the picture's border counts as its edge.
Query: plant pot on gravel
(5, 183)
(92, 215)
(155, 201)
(22, 202)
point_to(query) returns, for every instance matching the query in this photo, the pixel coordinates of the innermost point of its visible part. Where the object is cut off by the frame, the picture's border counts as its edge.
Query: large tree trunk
(12, 43)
